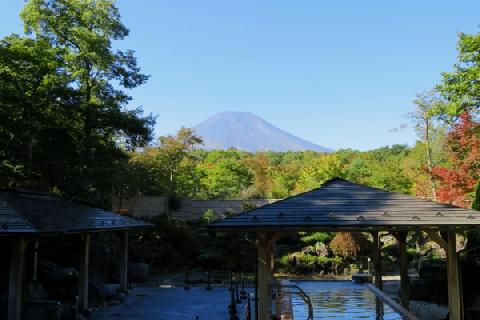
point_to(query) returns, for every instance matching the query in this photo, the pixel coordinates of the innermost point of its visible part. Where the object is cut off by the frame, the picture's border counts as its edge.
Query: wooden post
(15, 286)
(404, 280)
(377, 260)
(264, 276)
(35, 261)
(454, 295)
(124, 260)
(83, 272)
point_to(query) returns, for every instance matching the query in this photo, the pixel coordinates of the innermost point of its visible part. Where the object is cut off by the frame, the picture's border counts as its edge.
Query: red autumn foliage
(458, 181)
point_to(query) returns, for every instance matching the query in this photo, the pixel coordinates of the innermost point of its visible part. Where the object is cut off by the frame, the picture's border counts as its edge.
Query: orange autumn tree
(458, 180)
(349, 244)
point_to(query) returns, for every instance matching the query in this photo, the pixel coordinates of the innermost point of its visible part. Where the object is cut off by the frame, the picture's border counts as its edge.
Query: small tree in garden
(208, 215)
(349, 244)
(476, 202)
(457, 182)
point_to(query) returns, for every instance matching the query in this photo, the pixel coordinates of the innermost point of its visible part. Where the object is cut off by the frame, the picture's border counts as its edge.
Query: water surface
(339, 300)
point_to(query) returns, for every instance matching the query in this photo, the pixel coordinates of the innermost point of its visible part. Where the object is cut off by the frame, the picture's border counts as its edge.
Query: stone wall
(190, 209)
(144, 206)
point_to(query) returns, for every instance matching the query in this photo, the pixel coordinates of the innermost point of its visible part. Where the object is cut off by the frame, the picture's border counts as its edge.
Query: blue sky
(338, 73)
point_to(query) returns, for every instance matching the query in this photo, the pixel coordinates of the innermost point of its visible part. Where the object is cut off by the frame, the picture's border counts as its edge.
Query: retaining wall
(190, 209)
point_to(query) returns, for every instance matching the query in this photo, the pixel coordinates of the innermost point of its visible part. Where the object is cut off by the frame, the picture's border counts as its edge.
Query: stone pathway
(172, 304)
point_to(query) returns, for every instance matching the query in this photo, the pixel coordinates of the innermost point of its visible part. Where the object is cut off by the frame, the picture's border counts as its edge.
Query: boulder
(35, 291)
(433, 270)
(112, 303)
(429, 291)
(56, 275)
(120, 296)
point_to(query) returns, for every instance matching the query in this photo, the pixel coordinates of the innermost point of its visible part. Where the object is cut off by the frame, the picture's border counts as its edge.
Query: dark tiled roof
(13, 222)
(23, 212)
(342, 204)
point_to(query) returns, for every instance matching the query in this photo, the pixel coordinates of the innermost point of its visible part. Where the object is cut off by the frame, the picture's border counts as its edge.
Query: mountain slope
(246, 131)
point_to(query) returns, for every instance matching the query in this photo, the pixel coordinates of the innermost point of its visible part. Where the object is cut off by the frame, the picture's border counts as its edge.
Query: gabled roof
(13, 222)
(341, 204)
(27, 212)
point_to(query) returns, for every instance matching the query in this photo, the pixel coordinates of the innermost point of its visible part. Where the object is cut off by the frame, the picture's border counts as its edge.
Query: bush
(249, 206)
(208, 215)
(317, 237)
(412, 254)
(168, 246)
(349, 244)
(211, 259)
(476, 201)
(304, 262)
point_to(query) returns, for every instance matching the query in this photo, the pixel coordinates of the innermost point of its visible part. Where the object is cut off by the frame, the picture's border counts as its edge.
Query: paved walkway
(172, 304)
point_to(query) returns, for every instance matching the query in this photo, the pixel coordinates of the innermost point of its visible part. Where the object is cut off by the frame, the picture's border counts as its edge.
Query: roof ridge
(324, 184)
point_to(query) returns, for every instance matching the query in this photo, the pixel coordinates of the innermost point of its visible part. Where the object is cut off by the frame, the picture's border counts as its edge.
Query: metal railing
(379, 294)
(295, 289)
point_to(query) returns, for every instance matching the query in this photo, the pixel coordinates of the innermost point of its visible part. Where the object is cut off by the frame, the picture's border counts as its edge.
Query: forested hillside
(444, 168)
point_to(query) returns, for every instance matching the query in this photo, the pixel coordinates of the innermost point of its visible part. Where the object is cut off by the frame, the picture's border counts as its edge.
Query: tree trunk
(433, 184)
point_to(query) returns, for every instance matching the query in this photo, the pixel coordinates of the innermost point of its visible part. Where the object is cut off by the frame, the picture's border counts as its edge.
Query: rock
(429, 291)
(112, 303)
(120, 296)
(112, 288)
(56, 275)
(35, 291)
(433, 270)
(138, 272)
(425, 310)
(97, 291)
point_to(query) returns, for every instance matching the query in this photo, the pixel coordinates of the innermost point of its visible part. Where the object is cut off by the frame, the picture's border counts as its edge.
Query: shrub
(349, 244)
(304, 262)
(317, 237)
(476, 201)
(208, 215)
(249, 206)
(211, 259)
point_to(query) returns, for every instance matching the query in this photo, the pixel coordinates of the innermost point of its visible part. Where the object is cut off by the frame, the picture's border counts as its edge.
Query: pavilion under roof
(342, 205)
(31, 213)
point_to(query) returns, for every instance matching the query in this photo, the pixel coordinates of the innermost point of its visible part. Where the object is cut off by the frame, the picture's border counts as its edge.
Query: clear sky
(338, 73)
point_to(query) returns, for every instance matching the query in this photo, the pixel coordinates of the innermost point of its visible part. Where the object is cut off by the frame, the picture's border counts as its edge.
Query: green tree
(476, 201)
(171, 168)
(175, 149)
(461, 87)
(71, 122)
(321, 169)
(226, 179)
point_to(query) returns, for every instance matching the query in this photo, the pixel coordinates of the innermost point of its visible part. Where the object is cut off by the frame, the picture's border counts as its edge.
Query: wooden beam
(264, 276)
(377, 260)
(404, 280)
(83, 271)
(124, 260)
(437, 237)
(15, 286)
(454, 294)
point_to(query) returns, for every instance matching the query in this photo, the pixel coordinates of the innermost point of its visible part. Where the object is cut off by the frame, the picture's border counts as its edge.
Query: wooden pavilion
(340, 205)
(25, 217)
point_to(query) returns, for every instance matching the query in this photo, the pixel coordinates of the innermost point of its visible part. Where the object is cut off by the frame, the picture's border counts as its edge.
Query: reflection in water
(341, 300)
